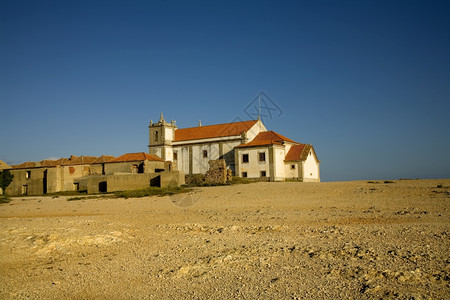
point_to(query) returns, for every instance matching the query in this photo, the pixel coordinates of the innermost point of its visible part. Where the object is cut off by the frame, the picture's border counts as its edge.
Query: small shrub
(84, 198)
(76, 198)
(242, 180)
(195, 179)
(388, 181)
(4, 200)
(65, 193)
(439, 186)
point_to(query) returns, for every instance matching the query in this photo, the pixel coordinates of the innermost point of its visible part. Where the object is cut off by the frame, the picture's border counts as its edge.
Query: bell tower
(161, 136)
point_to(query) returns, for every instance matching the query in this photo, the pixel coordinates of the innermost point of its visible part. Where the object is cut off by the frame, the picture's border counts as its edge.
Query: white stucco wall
(254, 130)
(168, 134)
(289, 172)
(182, 159)
(311, 168)
(279, 163)
(254, 166)
(169, 154)
(200, 163)
(287, 147)
(156, 151)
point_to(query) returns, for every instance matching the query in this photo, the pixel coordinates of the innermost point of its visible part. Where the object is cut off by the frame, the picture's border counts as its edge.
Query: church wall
(155, 151)
(311, 168)
(279, 163)
(200, 163)
(168, 153)
(254, 167)
(254, 130)
(182, 159)
(291, 173)
(168, 134)
(228, 153)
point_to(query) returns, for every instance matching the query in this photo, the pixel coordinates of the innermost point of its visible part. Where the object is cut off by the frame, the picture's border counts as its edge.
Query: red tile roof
(212, 131)
(295, 152)
(140, 156)
(300, 152)
(4, 165)
(267, 138)
(73, 160)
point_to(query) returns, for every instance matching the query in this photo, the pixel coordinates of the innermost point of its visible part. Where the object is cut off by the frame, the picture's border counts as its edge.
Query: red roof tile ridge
(213, 131)
(137, 156)
(218, 124)
(73, 160)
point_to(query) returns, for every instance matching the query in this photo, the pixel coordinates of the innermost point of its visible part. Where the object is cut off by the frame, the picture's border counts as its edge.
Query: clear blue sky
(366, 82)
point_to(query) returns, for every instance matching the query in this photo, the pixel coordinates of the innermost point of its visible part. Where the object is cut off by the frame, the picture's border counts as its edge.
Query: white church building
(249, 150)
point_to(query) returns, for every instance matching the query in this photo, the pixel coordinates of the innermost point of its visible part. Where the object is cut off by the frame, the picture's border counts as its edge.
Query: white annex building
(248, 148)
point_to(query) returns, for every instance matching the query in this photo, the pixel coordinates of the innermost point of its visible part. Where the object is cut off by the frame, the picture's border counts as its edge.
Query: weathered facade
(249, 150)
(93, 174)
(3, 166)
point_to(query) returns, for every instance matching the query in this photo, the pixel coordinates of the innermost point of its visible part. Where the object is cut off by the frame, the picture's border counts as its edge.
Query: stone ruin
(218, 172)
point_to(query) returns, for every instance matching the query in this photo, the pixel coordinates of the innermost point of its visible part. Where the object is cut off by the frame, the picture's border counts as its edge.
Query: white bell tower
(161, 136)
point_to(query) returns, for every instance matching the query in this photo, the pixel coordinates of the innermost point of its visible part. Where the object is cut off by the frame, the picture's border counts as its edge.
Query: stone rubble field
(283, 240)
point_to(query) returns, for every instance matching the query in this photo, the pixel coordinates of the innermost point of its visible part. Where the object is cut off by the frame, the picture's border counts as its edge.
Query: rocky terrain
(286, 240)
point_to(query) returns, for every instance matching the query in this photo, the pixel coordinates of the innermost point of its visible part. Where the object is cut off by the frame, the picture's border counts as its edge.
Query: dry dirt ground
(281, 240)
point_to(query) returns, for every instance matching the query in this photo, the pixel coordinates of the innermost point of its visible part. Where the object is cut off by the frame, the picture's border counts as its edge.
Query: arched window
(156, 135)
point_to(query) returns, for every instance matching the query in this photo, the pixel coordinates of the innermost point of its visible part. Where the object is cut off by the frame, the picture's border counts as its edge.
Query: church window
(156, 135)
(245, 158)
(175, 155)
(244, 174)
(205, 153)
(293, 167)
(263, 173)
(262, 156)
(28, 174)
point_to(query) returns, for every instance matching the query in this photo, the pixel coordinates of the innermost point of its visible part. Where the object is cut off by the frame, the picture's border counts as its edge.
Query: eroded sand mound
(263, 240)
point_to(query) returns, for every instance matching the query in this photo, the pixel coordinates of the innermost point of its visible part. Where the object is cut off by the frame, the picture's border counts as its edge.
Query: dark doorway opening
(44, 183)
(141, 168)
(103, 187)
(156, 181)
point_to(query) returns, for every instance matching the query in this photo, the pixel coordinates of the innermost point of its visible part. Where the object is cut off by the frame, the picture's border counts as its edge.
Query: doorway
(24, 189)
(156, 181)
(44, 183)
(103, 187)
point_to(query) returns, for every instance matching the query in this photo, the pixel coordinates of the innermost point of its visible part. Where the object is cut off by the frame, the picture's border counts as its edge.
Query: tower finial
(199, 123)
(161, 119)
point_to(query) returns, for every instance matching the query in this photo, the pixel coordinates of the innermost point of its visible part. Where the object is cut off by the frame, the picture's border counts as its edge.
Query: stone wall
(122, 182)
(217, 172)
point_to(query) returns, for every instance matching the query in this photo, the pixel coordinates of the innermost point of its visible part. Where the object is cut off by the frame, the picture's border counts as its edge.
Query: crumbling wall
(195, 179)
(217, 172)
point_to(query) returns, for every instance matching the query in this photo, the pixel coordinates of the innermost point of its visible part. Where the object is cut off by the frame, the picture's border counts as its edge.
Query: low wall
(122, 182)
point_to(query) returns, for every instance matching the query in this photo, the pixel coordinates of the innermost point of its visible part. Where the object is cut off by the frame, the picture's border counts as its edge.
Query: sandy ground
(256, 241)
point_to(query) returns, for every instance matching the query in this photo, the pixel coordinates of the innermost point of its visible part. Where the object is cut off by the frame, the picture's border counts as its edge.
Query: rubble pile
(217, 172)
